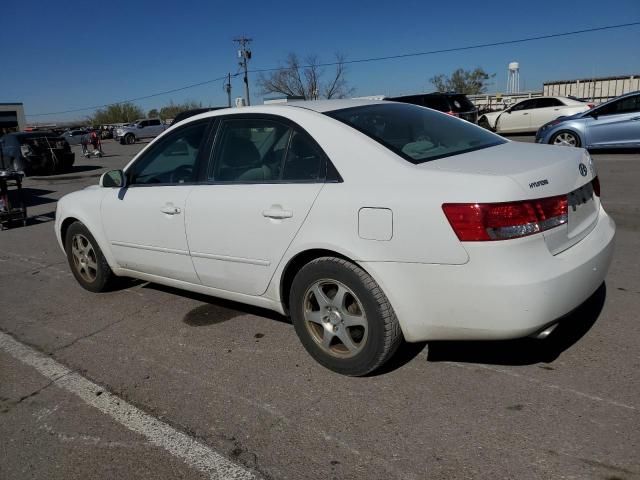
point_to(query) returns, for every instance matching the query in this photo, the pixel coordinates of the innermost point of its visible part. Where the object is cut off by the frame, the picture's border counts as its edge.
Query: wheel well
(66, 223)
(294, 266)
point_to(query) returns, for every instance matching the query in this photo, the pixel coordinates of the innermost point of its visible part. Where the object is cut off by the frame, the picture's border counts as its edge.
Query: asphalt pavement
(153, 382)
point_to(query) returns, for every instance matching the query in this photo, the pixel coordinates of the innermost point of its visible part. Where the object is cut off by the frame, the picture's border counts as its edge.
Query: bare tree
(307, 79)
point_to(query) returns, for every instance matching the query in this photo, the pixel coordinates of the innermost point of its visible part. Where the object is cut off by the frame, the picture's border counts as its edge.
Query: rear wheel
(86, 260)
(565, 138)
(342, 317)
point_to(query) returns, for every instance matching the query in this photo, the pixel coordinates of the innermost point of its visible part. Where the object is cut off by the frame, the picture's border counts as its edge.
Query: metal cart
(12, 206)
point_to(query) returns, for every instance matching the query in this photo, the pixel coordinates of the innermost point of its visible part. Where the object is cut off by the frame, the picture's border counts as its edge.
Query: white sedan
(367, 222)
(529, 115)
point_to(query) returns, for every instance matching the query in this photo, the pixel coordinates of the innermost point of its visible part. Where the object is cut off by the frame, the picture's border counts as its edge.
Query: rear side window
(250, 151)
(304, 160)
(416, 134)
(154, 122)
(548, 102)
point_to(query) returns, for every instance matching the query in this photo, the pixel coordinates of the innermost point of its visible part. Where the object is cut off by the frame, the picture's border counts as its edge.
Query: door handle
(525, 113)
(170, 210)
(635, 119)
(277, 213)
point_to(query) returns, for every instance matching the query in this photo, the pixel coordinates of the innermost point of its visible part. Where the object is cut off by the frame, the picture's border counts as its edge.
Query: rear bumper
(507, 289)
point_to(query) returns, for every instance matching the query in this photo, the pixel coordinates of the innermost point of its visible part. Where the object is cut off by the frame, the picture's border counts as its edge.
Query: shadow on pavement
(35, 196)
(216, 310)
(526, 351)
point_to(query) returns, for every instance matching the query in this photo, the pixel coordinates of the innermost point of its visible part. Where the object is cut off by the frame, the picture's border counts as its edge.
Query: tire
(484, 123)
(86, 260)
(329, 293)
(565, 138)
(129, 139)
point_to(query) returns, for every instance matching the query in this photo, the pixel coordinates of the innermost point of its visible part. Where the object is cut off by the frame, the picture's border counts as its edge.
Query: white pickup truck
(144, 128)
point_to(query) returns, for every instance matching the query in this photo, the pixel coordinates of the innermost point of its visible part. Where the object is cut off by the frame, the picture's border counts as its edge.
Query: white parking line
(158, 433)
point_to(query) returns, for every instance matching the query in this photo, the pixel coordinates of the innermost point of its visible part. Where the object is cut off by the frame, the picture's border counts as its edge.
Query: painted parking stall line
(158, 433)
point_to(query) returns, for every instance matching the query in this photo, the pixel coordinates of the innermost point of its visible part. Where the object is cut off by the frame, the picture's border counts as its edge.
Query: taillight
(452, 113)
(477, 222)
(596, 186)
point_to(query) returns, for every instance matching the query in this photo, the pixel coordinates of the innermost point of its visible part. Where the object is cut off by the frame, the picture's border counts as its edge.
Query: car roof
(319, 106)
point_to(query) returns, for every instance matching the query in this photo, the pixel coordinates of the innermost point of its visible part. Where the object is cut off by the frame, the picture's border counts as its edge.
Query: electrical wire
(355, 61)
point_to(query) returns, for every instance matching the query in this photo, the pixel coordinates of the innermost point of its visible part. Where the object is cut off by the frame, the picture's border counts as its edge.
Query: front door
(615, 124)
(263, 180)
(144, 222)
(517, 119)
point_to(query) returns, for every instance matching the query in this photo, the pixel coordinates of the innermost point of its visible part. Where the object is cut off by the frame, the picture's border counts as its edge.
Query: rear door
(264, 175)
(615, 124)
(546, 109)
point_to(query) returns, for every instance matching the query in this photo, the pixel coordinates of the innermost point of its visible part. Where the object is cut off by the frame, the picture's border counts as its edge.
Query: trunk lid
(540, 171)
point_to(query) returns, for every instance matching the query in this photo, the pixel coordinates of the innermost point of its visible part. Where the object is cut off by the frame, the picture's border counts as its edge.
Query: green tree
(173, 109)
(117, 113)
(308, 80)
(153, 113)
(469, 82)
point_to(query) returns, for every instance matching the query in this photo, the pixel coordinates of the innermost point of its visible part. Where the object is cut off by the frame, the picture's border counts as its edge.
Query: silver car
(614, 124)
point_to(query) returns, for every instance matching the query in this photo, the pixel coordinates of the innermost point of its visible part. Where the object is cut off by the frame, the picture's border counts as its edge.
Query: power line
(158, 94)
(360, 60)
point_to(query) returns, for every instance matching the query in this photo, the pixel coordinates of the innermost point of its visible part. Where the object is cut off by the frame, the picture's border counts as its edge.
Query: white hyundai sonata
(367, 222)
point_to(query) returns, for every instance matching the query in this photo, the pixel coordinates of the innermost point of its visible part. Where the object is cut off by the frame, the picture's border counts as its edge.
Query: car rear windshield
(416, 134)
(460, 103)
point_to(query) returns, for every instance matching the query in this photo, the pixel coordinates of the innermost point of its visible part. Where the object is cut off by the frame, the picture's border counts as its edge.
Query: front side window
(416, 134)
(548, 102)
(154, 122)
(526, 105)
(624, 105)
(172, 160)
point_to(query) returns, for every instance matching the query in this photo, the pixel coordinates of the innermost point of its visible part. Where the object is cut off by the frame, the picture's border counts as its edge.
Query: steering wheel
(181, 174)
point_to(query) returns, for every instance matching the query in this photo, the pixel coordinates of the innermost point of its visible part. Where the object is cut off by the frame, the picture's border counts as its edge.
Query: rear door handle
(170, 210)
(525, 113)
(277, 213)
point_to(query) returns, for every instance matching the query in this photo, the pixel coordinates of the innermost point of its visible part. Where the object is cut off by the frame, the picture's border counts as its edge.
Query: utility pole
(244, 54)
(227, 88)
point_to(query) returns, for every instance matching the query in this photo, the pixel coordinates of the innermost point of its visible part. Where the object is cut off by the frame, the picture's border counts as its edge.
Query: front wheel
(565, 138)
(342, 317)
(86, 260)
(129, 139)
(484, 123)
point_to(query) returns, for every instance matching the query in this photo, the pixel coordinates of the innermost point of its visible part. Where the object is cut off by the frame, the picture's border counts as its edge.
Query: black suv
(456, 104)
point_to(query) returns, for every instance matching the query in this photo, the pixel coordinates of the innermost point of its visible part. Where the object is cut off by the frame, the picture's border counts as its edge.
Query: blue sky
(66, 55)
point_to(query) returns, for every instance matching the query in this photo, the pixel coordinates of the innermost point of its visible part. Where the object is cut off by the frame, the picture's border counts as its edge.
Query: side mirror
(140, 126)
(594, 115)
(113, 179)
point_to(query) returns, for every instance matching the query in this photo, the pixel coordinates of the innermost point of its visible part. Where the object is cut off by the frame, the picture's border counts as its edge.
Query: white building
(12, 117)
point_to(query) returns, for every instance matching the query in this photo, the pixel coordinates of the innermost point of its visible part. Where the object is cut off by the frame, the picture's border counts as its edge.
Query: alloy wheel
(335, 318)
(84, 257)
(565, 139)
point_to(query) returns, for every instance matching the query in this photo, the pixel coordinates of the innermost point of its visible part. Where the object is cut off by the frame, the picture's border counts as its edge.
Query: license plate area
(583, 211)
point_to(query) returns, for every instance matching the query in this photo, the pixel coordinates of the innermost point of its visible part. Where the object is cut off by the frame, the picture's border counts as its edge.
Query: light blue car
(614, 124)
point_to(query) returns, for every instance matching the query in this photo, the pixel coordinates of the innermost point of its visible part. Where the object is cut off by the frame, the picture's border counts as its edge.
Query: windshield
(415, 133)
